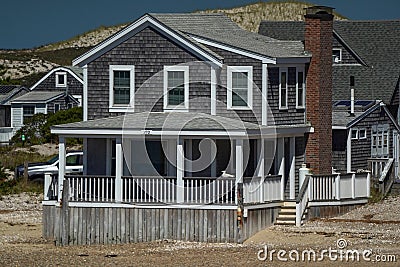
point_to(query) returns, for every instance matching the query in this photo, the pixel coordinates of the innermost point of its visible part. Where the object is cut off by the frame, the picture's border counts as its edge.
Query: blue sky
(27, 23)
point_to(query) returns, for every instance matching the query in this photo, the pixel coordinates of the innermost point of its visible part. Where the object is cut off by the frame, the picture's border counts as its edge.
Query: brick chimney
(318, 41)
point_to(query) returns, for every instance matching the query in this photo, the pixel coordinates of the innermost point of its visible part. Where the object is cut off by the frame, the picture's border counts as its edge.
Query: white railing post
(298, 214)
(368, 184)
(353, 185)
(292, 171)
(281, 165)
(239, 166)
(337, 185)
(118, 170)
(180, 161)
(61, 166)
(310, 187)
(47, 183)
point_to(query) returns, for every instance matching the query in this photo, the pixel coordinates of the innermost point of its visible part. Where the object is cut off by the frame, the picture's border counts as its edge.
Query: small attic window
(61, 79)
(337, 55)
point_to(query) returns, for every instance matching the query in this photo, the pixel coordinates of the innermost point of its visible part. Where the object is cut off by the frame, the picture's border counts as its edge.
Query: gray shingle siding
(361, 149)
(149, 52)
(291, 115)
(74, 86)
(347, 56)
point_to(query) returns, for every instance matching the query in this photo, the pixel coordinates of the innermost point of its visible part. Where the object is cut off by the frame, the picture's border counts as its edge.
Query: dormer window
(337, 55)
(61, 79)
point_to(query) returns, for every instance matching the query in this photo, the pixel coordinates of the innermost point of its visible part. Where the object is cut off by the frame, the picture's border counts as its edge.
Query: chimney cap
(316, 10)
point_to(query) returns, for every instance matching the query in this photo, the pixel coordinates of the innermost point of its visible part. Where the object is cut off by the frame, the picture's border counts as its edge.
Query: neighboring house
(67, 79)
(368, 51)
(366, 56)
(34, 102)
(365, 138)
(7, 94)
(196, 129)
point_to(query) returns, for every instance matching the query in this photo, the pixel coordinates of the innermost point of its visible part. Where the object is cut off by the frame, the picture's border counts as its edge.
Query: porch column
(239, 165)
(281, 164)
(180, 170)
(292, 173)
(264, 89)
(348, 150)
(61, 165)
(213, 88)
(261, 166)
(118, 170)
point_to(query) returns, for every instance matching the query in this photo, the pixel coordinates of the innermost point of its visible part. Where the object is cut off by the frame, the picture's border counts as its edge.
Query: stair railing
(302, 200)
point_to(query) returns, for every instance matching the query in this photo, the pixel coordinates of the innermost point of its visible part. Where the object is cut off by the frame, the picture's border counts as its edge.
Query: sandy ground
(21, 243)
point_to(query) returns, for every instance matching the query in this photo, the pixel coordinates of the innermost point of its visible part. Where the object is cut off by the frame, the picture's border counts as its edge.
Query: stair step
(289, 204)
(287, 216)
(284, 222)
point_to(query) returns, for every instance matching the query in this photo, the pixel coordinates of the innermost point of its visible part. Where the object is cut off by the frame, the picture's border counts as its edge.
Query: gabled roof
(75, 71)
(375, 44)
(9, 92)
(195, 31)
(341, 118)
(40, 97)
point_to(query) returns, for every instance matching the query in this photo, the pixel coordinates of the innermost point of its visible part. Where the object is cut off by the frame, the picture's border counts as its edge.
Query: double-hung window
(380, 141)
(240, 87)
(122, 88)
(28, 112)
(176, 88)
(283, 88)
(300, 89)
(61, 79)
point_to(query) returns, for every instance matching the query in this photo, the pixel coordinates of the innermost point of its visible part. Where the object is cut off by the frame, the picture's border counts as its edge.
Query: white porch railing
(377, 165)
(209, 190)
(331, 188)
(258, 190)
(93, 188)
(50, 186)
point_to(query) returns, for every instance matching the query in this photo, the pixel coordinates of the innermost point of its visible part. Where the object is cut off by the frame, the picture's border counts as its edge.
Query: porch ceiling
(137, 123)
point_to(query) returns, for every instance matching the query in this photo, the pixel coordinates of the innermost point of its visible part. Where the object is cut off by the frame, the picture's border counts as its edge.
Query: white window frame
(119, 107)
(58, 74)
(364, 131)
(340, 55)
(285, 69)
(379, 133)
(22, 113)
(300, 69)
(356, 131)
(249, 70)
(185, 105)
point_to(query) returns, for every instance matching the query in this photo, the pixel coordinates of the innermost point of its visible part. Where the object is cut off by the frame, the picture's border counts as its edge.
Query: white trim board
(146, 20)
(58, 69)
(264, 59)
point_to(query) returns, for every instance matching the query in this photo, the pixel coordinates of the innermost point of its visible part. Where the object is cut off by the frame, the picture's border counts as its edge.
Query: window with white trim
(300, 89)
(354, 134)
(122, 87)
(176, 87)
(61, 79)
(380, 141)
(56, 107)
(283, 88)
(240, 87)
(362, 133)
(28, 112)
(337, 55)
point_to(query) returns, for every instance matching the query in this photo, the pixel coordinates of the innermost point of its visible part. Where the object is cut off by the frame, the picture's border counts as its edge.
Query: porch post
(348, 150)
(213, 88)
(264, 89)
(292, 173)
(180, 170)
(118, 170)
(261, 167)
(239, 165)
(61, 165)
(281, 165)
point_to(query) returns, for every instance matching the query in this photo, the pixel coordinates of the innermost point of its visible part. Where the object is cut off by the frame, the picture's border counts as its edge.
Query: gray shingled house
(365, 61)
(195, 129)
(7, 94)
